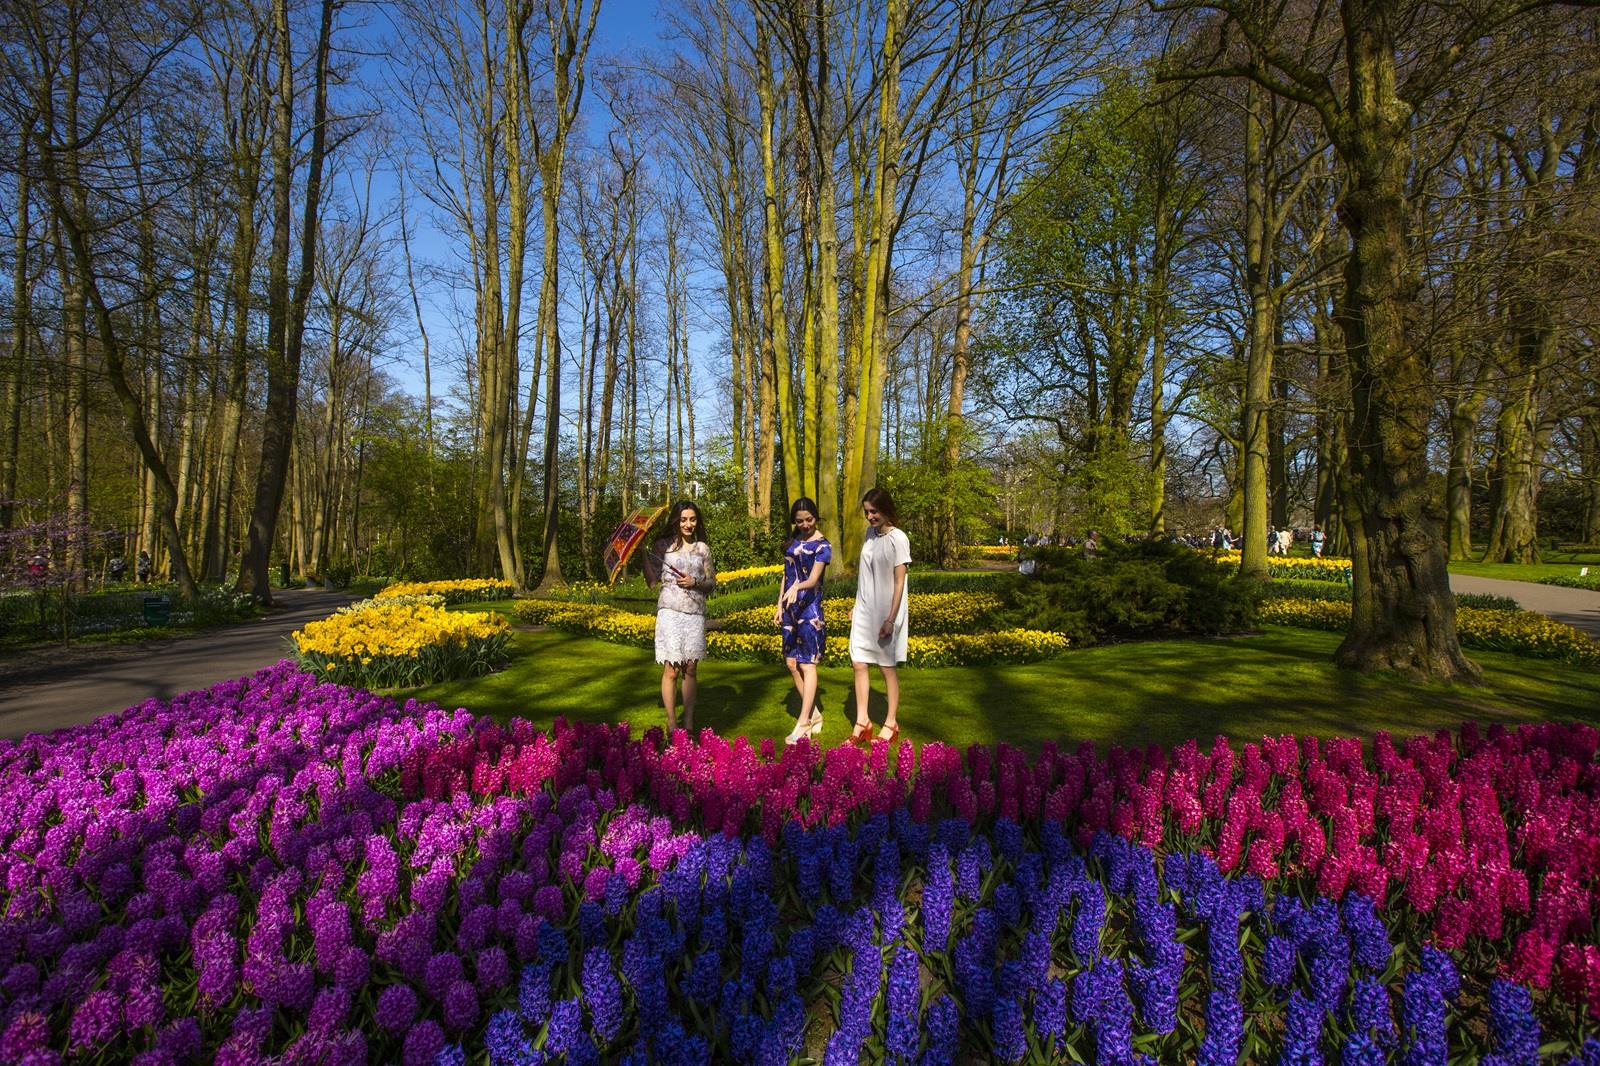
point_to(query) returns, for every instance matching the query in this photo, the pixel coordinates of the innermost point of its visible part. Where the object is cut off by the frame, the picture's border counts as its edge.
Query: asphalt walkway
(55, 686)
(1578, 608)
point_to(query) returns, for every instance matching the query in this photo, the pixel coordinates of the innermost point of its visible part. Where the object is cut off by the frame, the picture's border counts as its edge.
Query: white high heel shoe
(797, 734)
(816, 723)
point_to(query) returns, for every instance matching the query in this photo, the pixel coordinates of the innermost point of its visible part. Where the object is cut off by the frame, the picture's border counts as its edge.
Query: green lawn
(1279, 681)
(1556, 564)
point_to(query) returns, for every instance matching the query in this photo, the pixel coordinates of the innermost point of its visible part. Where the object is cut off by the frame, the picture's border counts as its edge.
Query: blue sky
(624, 26)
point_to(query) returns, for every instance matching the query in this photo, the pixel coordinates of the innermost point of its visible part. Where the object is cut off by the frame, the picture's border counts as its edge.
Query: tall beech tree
(1390, 58)
(286, 307)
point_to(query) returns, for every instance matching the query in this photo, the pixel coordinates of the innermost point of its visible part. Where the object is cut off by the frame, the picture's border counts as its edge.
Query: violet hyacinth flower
(461, 1006)
(96, 1020)
(938, 901)
(566, 1035)
(1370, 1014)
(1302, 1036)
(905, 996)
(441, 971)
(397, 1008)
(1010, 1039)
(1091, 917)
(603, 993)
(970, 864)
(1359, 1049)
(1156, 984)
(492, 970)
(943, 1034)
(1588, 1055)
(353, 969)
(1277, 961)
(1422, 1016)
(1369, 938)
(506, 1041)
(974, 964)
(29, 1031)
(705, 975)
(423, 1043)
(1513, 1028)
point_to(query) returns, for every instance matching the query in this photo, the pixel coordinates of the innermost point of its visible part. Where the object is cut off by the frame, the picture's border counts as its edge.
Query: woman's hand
(685, 581)
(777, 617)
(789, 597)
(885, 629)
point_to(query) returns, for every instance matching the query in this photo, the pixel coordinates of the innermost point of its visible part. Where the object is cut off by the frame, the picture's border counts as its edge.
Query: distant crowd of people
(1279, 541)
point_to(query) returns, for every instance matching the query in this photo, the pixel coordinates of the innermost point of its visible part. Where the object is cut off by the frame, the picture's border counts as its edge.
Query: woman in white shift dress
(680, 563)
(878, 619)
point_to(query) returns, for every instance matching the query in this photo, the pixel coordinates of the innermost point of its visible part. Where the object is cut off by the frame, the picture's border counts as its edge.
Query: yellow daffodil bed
(945, 649)
(931, 614)
(1520, 632)
(460, 590)
(388, 646)
(1296, 566)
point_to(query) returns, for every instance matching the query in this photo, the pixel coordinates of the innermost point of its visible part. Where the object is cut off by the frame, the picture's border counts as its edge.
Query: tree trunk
(1260, 341)
(73, 320)
(777, 402)
(1458, 479)
(1591, 473)
(1403, 613)
(874, 341)
(1513, 534)
(286, 312)
(948, 541)
(21, 324)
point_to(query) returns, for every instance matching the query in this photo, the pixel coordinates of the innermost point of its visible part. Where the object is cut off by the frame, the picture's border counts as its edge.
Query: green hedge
(1144, 589)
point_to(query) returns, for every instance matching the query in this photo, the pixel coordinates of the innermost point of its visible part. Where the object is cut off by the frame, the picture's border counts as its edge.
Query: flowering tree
(47, 556)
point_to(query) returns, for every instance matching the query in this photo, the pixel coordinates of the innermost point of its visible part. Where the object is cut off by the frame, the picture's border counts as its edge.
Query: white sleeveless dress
(874, 593)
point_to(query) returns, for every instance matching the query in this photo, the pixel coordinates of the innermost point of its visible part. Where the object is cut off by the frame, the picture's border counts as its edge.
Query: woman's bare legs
(799, 686)
(891, 684)
(669, 694)
(808, 692)
(863, 693)
(689, 686)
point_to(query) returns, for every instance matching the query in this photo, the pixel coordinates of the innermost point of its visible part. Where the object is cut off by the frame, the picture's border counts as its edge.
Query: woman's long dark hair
(883, 503)
(670, 540)
(804, 503)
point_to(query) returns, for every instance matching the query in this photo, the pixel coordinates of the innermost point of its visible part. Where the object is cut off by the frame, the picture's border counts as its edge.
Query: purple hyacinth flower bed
(283, 870)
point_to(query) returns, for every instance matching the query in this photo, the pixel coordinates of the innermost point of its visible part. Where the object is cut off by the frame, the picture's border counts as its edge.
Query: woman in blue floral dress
(799, 612)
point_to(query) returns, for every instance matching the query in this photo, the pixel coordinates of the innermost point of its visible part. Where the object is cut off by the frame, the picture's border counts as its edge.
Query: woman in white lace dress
(680, 562)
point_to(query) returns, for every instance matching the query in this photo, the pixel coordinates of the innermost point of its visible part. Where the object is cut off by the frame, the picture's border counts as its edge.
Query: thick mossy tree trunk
(1514, 531)
(1403, 614)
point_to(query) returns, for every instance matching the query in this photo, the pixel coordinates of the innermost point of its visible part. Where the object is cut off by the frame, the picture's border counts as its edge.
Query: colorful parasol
(626, 537)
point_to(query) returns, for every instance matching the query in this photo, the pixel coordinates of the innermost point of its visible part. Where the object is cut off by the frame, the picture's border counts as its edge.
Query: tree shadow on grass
(1275, 682)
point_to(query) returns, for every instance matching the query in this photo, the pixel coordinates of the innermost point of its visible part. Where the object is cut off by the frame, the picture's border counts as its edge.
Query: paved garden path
(1578, 608)
(57, 686)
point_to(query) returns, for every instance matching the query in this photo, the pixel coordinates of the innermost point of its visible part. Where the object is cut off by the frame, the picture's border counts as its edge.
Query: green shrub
(1573, 581)
(1149, 588)
(1307, 589)
(51, 616)
(1486, 601)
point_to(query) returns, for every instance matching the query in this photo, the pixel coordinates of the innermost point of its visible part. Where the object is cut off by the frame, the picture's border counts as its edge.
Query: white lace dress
(681, 612)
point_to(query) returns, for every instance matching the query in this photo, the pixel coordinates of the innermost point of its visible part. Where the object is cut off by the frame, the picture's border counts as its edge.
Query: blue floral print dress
(804, 634)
